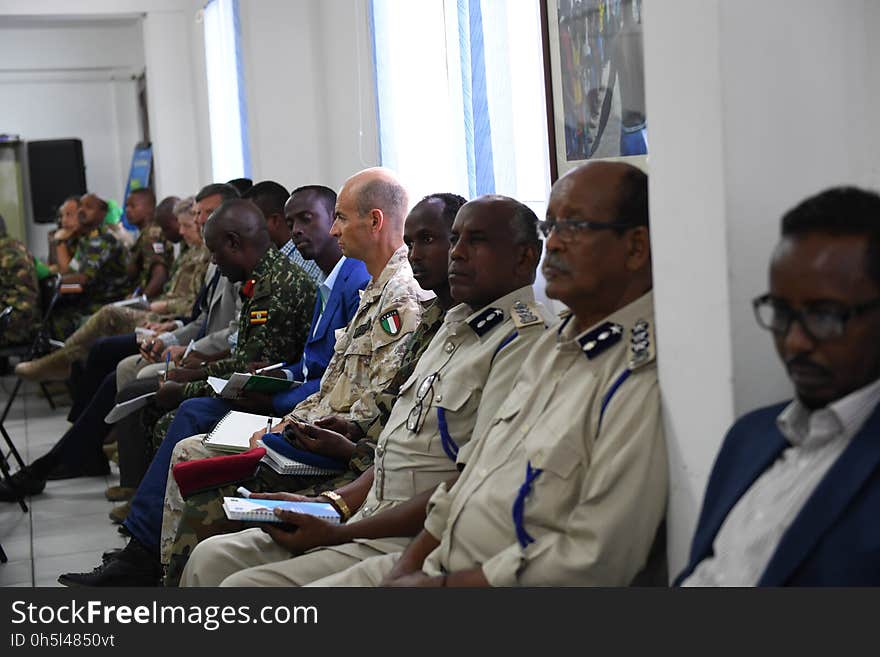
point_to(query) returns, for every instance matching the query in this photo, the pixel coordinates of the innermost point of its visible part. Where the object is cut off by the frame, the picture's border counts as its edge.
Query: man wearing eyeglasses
(794, 495)
(567, 486)
(461, 378)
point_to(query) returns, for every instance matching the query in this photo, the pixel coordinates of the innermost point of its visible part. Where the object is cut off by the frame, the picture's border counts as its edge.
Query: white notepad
(123, 409)
(233, 432)
(287, 466)
(256, 510)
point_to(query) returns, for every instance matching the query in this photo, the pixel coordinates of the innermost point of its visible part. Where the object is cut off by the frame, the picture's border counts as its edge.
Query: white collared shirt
(750, 534)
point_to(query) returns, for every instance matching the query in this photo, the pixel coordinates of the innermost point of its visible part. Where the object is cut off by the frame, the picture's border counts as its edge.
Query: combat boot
(52, 367)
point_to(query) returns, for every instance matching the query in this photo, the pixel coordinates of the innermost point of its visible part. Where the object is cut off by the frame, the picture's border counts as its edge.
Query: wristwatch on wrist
(338, 503)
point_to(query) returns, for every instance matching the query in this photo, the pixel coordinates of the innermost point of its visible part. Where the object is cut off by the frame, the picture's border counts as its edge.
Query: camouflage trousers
(67, 317)
(20, 330)
(108, 321)
(186, 522)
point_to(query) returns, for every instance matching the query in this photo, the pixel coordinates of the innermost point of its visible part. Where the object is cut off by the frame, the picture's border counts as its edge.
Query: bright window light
(226, 102)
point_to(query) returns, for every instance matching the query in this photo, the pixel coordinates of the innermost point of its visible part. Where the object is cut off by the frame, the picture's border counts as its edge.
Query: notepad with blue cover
(286, 459)
(257, 510)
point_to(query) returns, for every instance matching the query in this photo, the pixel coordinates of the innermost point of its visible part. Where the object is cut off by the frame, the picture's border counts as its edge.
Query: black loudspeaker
(57, 170)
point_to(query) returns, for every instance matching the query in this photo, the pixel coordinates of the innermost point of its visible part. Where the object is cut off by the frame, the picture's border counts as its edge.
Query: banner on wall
(138, 175)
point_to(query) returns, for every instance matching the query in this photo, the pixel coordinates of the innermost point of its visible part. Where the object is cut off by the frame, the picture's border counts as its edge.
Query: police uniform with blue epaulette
(568, 485)
(459, 381)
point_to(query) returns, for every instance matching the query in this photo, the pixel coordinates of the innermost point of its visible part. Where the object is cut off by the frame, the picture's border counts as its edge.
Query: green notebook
(241, 382)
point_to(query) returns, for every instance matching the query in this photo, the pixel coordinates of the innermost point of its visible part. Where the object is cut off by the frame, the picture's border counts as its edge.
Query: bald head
(379, 189)
(370, 212)
(615, 191)
(237, 237)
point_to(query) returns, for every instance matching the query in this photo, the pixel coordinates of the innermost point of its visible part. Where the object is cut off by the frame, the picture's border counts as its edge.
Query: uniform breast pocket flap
(559, 459)
(453, 393)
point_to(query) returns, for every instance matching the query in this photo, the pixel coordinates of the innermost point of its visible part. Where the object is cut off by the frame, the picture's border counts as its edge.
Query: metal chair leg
(5, 433)
(3, 557)
(47, 395)
(4, 468)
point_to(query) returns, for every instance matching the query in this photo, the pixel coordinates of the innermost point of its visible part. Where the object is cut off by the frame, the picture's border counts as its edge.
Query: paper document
(126, 408)
(241, 382)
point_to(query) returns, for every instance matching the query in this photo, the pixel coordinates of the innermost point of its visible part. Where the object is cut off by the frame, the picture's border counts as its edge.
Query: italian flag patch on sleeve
(390, 322)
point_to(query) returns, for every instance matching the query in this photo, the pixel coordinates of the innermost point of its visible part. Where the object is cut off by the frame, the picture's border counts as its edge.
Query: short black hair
(451, 204)
(632, 199)
(145, 191)
(326, 195)
(839, 211)
(241, 184)
(226, 192)
(269, 196)
(525, 226)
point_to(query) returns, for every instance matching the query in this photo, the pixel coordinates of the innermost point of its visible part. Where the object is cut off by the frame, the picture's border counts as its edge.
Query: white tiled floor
(67, 527)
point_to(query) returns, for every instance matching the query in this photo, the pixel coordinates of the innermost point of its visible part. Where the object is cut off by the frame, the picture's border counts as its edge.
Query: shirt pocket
(455, 404)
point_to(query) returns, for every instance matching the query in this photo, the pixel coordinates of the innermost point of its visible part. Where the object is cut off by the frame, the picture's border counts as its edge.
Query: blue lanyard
(446, 440)
(519, 505)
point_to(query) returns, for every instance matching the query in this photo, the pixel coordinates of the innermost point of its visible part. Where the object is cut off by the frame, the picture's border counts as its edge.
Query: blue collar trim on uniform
(519, 504)
(563, 324)
(510, 338)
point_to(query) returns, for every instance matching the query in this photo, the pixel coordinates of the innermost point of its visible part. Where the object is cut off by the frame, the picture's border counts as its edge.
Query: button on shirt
(754, 527)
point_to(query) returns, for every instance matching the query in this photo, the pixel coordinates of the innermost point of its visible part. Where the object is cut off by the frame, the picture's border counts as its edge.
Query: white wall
(753, 105)
(61, 79)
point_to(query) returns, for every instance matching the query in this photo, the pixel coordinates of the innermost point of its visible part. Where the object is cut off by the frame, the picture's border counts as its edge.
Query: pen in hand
(167, 363)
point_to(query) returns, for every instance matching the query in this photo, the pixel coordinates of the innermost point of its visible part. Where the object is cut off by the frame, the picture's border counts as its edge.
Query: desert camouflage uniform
(365, 361)
(19, 290)
(203, 515)
(149, 249)
(188, 273)
(102, 259)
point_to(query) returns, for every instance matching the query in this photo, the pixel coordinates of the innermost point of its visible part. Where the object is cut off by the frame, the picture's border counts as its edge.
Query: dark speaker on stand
(57, 170)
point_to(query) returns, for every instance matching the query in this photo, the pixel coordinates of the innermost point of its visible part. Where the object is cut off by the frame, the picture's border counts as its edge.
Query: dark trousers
(103, 358)
(80, 447)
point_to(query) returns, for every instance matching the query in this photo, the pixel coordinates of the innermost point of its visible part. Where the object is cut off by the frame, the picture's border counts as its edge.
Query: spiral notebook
(287, 466)
(256, 510)
(233, 433)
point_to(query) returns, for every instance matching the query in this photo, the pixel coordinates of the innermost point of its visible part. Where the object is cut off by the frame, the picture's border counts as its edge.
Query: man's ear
(529, 256)
(234, 240)
(638, 248)
(377, 220)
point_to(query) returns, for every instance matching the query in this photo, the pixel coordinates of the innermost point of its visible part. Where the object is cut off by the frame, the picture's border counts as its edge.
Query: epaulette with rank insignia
(600, 338)
(525, 314)
(641, 347)
(486, 321)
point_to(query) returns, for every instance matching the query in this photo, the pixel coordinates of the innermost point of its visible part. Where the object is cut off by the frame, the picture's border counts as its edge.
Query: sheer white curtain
(460, 92)
(227, 111)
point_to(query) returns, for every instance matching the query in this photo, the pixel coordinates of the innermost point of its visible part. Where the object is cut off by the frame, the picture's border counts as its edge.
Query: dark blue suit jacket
(835, 538)
(341, 306)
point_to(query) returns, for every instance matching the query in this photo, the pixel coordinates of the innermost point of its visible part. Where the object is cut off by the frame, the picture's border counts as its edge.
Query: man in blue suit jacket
(794, 495)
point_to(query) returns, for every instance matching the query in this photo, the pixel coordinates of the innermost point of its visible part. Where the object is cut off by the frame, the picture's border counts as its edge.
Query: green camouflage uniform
(19, 290)
(188, 273)
(203, 514)
(273, 326)
(102, 259)
(149, 249)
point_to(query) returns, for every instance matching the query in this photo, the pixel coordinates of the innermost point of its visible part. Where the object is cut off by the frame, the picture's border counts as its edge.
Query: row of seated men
(482, 441)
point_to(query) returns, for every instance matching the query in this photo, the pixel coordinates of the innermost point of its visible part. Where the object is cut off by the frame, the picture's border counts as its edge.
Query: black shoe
(133, 566)
(109, 555)
(64, 471)
(25, 484)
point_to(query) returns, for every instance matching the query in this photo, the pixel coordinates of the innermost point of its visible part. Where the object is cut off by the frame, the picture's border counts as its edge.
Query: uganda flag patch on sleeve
(259, 316)
(390, 322)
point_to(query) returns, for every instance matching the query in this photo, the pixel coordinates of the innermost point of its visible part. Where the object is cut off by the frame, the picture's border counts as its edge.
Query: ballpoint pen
(269, 368)
(189, 349)
(167, 362)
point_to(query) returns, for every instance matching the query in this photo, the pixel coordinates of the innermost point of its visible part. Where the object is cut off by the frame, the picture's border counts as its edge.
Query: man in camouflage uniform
(98, 267)
(19, 290)
(187, 273)
(278, 299)
(463, 376)
(427, 233)
(152, 254)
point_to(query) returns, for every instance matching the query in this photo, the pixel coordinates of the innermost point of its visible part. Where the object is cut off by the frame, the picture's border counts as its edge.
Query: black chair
(39, 346)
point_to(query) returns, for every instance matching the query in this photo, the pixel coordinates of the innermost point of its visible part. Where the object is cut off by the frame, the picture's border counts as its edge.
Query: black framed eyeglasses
(820, 322)
(569, 229)
(414, 419)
